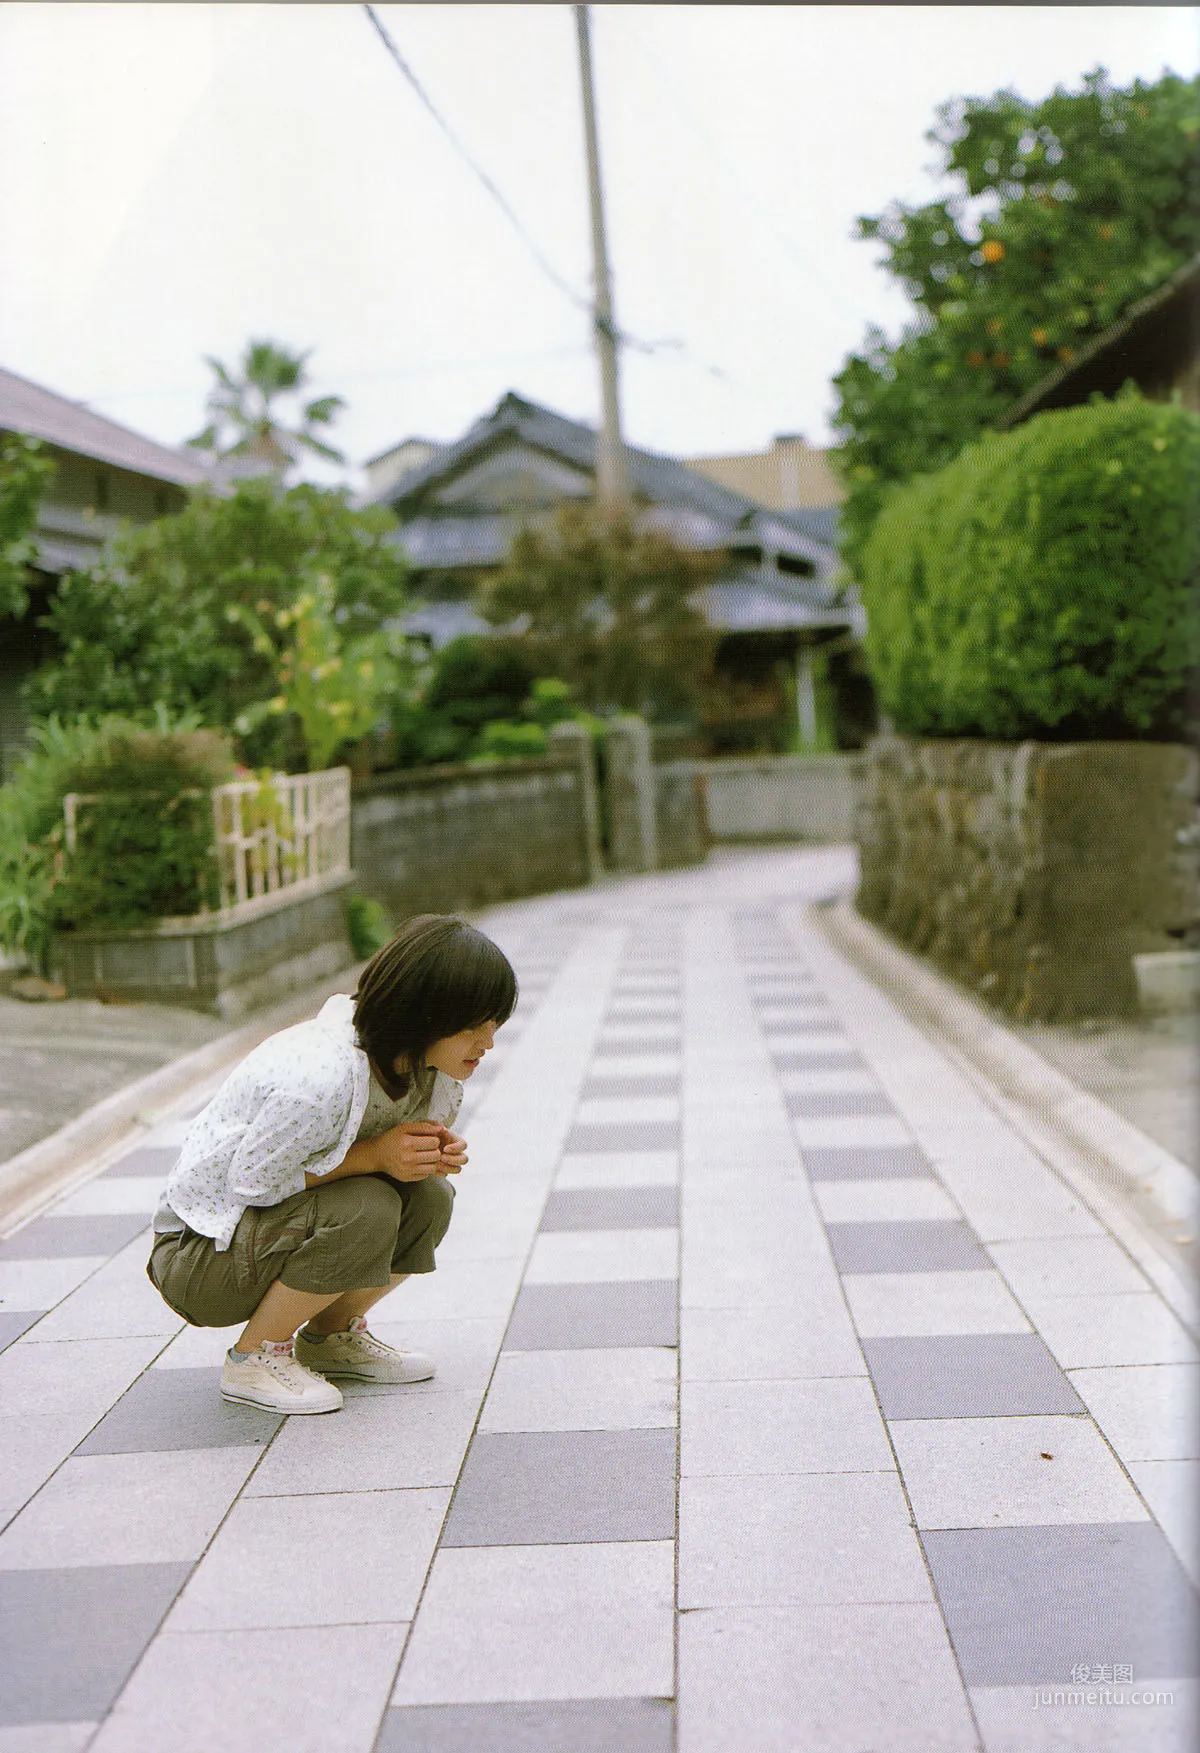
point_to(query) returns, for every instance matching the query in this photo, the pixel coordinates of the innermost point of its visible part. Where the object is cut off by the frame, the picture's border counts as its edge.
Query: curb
(1087, 1125)
(30, 1180)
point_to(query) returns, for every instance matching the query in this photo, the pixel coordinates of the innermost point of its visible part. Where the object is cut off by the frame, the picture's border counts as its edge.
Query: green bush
(1044, 583)
(507, 739)
(367, 925)
(144, 847)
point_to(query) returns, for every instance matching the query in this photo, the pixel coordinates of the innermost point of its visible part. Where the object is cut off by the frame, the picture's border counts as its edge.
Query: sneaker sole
(281, 1411)
(353, 1375)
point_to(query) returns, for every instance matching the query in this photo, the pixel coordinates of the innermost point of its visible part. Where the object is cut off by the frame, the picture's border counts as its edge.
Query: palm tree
(244, 425)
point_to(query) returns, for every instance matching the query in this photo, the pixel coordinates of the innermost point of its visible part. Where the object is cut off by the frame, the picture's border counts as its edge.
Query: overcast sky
(178, 178)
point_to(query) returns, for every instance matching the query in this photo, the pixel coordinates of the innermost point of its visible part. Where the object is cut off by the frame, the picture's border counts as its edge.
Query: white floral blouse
(293, 1107)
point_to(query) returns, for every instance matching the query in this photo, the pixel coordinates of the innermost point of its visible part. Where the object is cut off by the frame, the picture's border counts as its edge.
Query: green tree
(244, 421)
(24, 472)
(1060, 214)
(607, 608)
(150, 624)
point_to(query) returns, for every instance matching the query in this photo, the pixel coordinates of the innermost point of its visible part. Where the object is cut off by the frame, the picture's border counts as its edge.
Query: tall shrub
(1044, 583)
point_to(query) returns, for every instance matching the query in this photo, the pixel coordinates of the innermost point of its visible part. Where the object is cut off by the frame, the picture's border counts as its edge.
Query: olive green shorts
(352, 1234)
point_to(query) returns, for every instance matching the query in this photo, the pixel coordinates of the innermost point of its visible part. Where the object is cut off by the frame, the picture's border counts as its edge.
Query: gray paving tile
(645, 1135)
(807, 1021)
(912, 1245)
(821, 1104)
(612, 1208)
(1025, 1605)
(569, 1725)
(976, 1375)
(650, 1039)
(148, 1159)
(556, 1488)
(72, 1636)
(890, 1163)
(64, 1238)
(178, 1409)
(652, 1084)
(13, 1323)
(562, 1317)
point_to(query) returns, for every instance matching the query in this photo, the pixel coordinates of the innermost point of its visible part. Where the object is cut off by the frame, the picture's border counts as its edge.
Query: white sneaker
(271, 1377)
(358, 1354)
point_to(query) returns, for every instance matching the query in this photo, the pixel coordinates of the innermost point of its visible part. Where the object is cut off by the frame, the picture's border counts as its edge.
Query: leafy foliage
(244, 423)
(24, 473)
(367, 925)
(1044, 583)
(1060, 215)
(40, 887)
(152, 623)
(606, 607)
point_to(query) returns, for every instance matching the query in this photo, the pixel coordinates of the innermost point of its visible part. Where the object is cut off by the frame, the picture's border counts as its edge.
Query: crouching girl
(316, 1179)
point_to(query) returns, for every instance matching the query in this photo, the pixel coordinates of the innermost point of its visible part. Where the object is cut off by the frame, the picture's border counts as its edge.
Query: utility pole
(612, 474)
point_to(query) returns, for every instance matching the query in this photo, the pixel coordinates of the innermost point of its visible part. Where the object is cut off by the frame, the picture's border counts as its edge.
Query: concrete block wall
(783, 797)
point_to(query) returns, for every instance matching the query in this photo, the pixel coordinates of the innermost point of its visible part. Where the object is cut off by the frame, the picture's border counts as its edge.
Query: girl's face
(458, 1055)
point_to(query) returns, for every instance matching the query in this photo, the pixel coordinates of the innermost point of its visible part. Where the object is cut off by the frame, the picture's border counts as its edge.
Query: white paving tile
(635, 1168)
(342, 1558)
(32, 1445)
(113, 1196)
(829, 1425)
(773, 1017)
(827, 1083)
(315, 1690)
(630, 1110)
(820, 1538)
(876, 1201)
(542, 1622)
(81, 1376)
(46, 1737)
(617, 1037)
(39, 1284)
(464, 1352)
(635, 1065)
(620, 1389)
(781, 1040)
(1172, 1490)
(1011, 1472)
(843, 1679)
(1007, 1200)
(808, 1334)
(597, 1256)
(913, 1304)
(1147, 1412)
(1067, 1266)
(1058, 1719)
(408, 1437)
(467, 1288)
(860, 1132)
(1125, 1328)
(116, 1302)
(127, 1509)
(197, 1348)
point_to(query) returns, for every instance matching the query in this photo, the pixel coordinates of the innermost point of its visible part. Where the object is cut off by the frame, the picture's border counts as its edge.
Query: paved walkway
(788, 1403)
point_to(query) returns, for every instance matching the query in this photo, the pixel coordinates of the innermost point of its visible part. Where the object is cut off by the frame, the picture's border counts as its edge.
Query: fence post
(573, 739)
(630, 789)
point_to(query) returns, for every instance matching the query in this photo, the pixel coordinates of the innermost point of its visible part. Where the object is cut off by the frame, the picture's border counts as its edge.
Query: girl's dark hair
(437, 976)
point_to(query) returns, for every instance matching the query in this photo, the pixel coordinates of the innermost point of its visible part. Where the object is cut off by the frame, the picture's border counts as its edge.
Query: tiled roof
(28, 408)
(659, 479)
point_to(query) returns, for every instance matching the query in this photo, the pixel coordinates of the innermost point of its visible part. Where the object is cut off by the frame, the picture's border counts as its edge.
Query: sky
(177, 179)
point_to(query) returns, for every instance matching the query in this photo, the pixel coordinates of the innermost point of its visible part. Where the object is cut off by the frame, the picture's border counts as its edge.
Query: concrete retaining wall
(783, 797)
(1033, 872)
(444, 838)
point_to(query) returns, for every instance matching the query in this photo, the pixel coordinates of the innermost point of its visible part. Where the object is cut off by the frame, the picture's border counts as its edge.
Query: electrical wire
(468, 158)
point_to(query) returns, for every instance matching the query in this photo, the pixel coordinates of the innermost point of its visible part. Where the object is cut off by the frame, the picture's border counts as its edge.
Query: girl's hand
(411, 1151)
(453, 1152)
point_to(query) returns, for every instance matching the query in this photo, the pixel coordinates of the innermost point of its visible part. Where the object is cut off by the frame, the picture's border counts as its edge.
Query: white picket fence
(273, 837)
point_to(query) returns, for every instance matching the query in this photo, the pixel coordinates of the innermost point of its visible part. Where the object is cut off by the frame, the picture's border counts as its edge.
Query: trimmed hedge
(1043, 585)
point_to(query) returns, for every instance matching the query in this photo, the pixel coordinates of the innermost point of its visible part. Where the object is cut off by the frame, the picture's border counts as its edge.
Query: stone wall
(1033, 872)
(446, 838)
(783, 797)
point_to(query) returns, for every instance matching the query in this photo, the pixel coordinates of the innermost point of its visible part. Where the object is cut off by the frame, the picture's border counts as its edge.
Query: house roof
(1168, 319)
(37, 412)
(656, 478)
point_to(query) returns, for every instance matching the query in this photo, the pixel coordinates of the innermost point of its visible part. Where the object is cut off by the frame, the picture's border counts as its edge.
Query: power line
(534, 249)
(581, 303)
